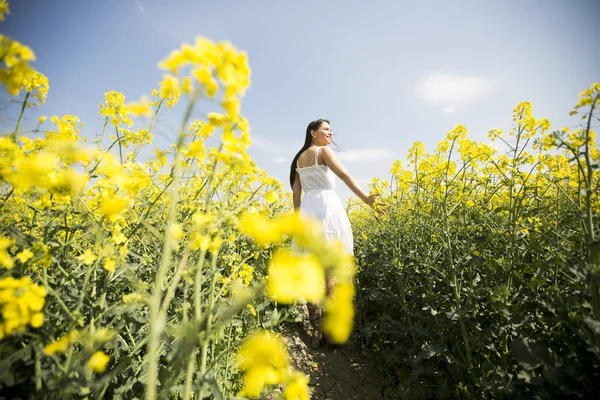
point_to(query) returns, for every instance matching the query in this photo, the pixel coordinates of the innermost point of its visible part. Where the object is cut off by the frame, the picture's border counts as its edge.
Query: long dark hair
(313, 126)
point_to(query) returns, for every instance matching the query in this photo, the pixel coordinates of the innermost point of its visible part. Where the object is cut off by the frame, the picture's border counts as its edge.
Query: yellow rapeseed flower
(292, 278)
(170, 90)
(98, 362)
(264, 361)
(4, 10)
(5, 260)
(36, 82)
(340, 313)
(16, 57)
(175, 231)
(251, 310)
(141, 108)
(297, 387)
(110, 265)
(114, 205)
(263, 231)
(21, 303)
(62, 344)
(24, 255)
(132, 298)
(115, 108)
(87, 257)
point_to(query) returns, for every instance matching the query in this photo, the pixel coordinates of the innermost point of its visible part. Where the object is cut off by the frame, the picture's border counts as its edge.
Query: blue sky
(386, 73)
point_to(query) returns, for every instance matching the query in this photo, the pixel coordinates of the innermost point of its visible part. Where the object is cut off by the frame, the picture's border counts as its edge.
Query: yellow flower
(36, 81)
(21, 303)
(3, 9)
(292, 278)
(114, 205)
(170, 90)
(175, 231)
(115, 108)
(87, 257)
(16, 59)
(340, 313)
(37, 320)
(215, 245)
(141, 108)
(5, 260)
(246, 273)
(42, 119)
(24, 255)
(62, 344)
(271, 197)
(264, 360)
(297, 388)
(98, 362)
(132, 298)
(251, 310)
(263, 231)
(201, 242)
(110, 265)
(216, 119)
(232, 106)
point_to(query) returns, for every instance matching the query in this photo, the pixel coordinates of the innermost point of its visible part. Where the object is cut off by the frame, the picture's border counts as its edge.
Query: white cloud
(364, 155)
(450, 90)
(280, 160)
(448, 110)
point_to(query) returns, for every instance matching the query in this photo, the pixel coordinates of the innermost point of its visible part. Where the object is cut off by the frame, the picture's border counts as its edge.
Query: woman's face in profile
(323, 135)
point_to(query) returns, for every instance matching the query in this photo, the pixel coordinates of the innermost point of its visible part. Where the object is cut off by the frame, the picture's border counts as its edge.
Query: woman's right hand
(371, 199)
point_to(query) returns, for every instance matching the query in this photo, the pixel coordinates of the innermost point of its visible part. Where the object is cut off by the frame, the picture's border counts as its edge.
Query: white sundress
(321, 202)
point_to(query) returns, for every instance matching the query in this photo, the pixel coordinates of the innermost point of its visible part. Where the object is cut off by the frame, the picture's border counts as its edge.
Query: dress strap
(317, 156)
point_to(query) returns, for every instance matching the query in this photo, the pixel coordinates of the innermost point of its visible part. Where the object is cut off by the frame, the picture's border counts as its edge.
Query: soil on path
(337, 372)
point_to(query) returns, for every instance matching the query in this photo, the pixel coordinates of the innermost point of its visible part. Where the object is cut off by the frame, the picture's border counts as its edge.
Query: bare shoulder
(327, 152)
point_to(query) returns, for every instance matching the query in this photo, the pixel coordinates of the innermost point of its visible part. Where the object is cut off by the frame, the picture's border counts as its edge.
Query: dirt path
(337, 372)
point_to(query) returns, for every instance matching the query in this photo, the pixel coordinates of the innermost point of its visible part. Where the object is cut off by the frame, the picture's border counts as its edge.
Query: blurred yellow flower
(175, 231)
(297, 387)
(263, 231)
(251, 310)
(4, 10)
(21, 303)
(263, 359)
(132, 298)
(339, 314)
(62, 344)
(170, 90)
(110, 265)
(24, 255)
(113, 205)
(87, 257)
(98, 362)
(5, 260)
(292, 278)
(141, 108)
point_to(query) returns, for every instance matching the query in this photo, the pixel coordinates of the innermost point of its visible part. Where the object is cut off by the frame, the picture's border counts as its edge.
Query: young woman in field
(313, 171)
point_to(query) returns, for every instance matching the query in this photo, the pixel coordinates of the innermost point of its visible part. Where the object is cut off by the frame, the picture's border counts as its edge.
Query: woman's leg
(315, 316)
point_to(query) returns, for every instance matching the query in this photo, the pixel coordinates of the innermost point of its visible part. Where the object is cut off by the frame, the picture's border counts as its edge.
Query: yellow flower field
(170, 278)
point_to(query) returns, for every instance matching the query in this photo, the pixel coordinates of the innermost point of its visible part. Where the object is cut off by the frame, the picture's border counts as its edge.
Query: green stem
(211, 304)
(23, 107)
(157, 317)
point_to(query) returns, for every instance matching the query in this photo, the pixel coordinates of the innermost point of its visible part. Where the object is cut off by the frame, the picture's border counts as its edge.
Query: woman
(313, 170)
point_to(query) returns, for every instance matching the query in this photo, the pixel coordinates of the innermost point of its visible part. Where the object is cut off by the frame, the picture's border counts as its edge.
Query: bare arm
(296, 192)
(338, 168)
